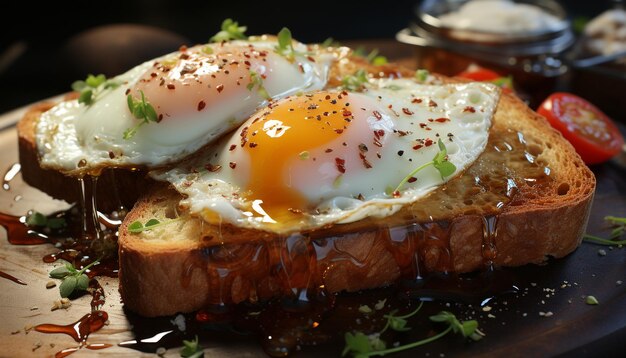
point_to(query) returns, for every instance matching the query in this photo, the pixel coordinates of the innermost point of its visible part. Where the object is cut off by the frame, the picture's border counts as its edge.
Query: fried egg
(335, 156)
(198, 94)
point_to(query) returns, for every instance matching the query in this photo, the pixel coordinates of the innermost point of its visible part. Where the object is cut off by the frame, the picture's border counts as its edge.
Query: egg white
(361, 192)
(76, 139)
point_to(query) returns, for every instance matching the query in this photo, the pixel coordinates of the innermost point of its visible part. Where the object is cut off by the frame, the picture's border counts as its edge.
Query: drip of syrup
(490, 233)
(78, 330)
(12, 278)
(9, 175)
(94, 346)
(91, 223)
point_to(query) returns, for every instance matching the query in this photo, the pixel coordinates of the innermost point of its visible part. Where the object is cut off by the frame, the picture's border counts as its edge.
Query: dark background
(40, 54)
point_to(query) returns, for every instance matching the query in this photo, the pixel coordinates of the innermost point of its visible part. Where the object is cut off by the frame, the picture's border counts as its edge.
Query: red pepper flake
(469, 109)
(412, 180)
(417, 146)
(160, 118)
(232, 165)
(232, 147)
(442, 120)
(416, 100)
(252, 144)
(338, 131)
(378, 115)
(201, 105)
(153, 74)
(310, 58)
(219, 88)
(407, 111)
(340, 163)
(423, 125)
(171, 86)
(366, 163)
(432, 103)
(212, 168)
(328, 150)
(301, 68)
(428, 142)
(184, 56)
(379, 133)
(182, 48)
(363, 148)
(127, 92)
(396, 194)
(347, 113)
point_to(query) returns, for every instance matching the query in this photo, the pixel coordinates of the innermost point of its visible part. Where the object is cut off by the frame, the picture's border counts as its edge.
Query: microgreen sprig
(230, 30)
(421, 75)
(192, 349)
(92, 86)
(355, 81)
(619, 227)
(73, 279)
(372, 57)
(35, 218)
(440, 162)
(137, 226)
(141, 109)
(330, 42)
(285, 44)
(361, 345)
(256, 80)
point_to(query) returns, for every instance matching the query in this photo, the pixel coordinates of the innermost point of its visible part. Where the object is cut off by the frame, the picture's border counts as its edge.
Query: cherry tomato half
(486, 75)
(594, 136)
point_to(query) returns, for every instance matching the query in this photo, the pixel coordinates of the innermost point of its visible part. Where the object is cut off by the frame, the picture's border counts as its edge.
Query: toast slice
(525, 199)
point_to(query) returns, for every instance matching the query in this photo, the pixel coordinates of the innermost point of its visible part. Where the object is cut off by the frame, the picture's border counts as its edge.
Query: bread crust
(162, 277)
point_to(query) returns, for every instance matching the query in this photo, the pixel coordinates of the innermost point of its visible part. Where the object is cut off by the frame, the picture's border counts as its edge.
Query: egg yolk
(199, 77)
(285, 132)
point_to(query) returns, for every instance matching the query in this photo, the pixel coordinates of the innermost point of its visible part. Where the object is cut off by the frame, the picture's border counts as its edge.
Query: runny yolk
(286, 132)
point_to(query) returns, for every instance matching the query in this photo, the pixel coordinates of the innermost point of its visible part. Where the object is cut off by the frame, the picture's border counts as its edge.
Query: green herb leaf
(191, 349)
(619, 227)
(421, 75)
(285, 44)
(591, 300)
(91, 87)
(36, 219)
(82, 282)
(365, 309)
(356, 81)
(67, 286)
(330, 42)
(152, 222)
(440, 162)
(379, 61)
(137, 227)
(95, 81)
(356, 343)
(142, 110)
(256, 80)
(230, 30)
(78, 85)
(59, 272)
